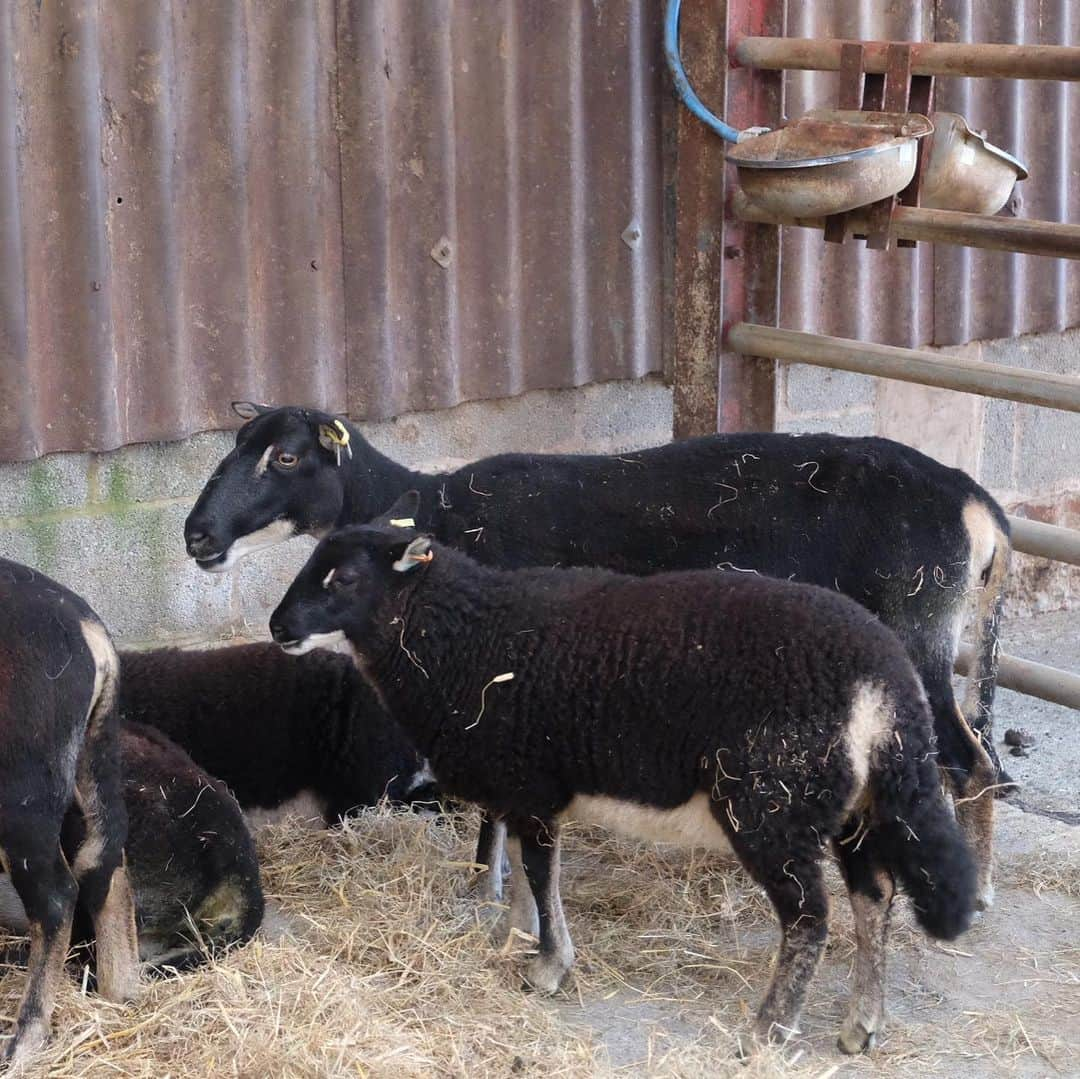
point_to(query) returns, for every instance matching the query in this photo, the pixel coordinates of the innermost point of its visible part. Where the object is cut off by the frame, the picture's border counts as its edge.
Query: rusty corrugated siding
(946, 295)
(528, 137)
(205, 201)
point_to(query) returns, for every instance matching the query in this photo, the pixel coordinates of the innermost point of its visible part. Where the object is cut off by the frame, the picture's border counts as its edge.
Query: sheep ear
(402, 514)
(335, 437)
(248, 410)
(418, 552)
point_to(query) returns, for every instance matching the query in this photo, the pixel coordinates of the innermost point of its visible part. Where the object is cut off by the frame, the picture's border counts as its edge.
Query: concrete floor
(1050, 777)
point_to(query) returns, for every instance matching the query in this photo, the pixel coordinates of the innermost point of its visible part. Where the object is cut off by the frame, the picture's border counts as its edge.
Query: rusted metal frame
(1049, 238)
(905, 92)
(1027, 677)
(909, 365)
(1045, 541)
(699, 212)
(1058, 63)
(851, 95)
(750, 279)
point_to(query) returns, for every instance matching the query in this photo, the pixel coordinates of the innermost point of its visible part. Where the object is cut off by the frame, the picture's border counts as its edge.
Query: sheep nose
(277, 631)
(199, 544)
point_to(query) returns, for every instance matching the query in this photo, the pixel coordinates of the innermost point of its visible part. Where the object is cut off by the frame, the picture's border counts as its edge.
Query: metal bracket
(897, 90)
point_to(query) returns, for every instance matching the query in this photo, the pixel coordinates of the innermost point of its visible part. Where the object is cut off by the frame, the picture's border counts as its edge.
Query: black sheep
(917, 543)
(703, 708)
(191, 859)
(273, 727)
(58, 745)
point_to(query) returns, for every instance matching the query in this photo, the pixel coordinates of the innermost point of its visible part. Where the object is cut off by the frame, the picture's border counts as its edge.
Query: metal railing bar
(1045, 541)
(1047, 238)
(1044, 388)
(1054, 62)
(1028, 677)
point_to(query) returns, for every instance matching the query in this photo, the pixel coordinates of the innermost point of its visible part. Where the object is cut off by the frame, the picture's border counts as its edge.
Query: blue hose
(682, 83)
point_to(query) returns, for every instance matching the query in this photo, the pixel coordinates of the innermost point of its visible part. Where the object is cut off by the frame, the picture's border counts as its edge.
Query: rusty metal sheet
(379, 205)
(945, 295)
(501, 196)
(171, 210)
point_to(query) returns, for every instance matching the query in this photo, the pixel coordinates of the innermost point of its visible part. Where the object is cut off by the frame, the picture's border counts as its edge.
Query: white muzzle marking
(270, 536)
(315, 640)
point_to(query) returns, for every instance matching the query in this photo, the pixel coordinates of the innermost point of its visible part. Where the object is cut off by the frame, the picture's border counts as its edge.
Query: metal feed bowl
(829, 161)
(964, 171)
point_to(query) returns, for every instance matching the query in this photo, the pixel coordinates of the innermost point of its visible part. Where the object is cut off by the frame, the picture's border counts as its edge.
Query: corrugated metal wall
(949, 295)
(203, 201)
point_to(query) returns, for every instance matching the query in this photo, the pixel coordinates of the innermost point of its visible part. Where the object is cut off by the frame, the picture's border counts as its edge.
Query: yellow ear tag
(403, 522)
(338, 436)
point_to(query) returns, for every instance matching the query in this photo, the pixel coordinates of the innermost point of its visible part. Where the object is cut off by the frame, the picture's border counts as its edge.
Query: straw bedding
(374, 962)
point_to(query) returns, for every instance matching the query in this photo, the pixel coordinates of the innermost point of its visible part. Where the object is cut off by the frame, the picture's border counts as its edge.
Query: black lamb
(702, 708)
(273, 727)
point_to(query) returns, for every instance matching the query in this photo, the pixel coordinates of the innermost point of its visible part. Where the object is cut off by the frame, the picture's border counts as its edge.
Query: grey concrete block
(159, 470)
(816, 389)
(628, 416)
(1059, 352)
(1048, 450)
(859, 423)
(609, 417)
(1048, 443)
(260, 581)
(131, 568)
(999, 426)
(30, 488)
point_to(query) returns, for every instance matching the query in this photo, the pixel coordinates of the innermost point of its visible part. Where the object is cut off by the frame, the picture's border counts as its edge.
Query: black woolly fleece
(271, 725)
(655, 689)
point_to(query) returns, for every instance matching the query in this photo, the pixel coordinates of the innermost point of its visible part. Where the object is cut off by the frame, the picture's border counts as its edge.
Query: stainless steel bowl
(829, 161)
(964, 171)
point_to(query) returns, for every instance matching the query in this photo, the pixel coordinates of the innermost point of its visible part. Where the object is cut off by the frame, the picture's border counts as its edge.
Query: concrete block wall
(110, 525)
(1027, 457)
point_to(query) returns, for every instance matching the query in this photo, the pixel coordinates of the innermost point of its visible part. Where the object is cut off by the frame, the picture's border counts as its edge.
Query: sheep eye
(287, 460)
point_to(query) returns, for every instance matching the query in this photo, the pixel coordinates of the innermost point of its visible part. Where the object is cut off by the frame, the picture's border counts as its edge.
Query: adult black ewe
(272, 727)
(915, 542)
(58, 746)
(702, 708)
(193, 867)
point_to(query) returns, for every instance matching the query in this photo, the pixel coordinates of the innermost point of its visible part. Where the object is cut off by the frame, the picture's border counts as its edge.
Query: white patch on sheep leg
(866, 1013)
(524, 915)
(489, 888)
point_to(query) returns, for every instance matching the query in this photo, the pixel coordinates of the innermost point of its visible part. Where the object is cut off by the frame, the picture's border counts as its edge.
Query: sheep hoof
(545, 974)
(985, 899)
(855, 1038)
(24, 1044)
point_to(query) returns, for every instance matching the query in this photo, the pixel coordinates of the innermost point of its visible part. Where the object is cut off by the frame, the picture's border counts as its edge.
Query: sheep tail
(917, 835)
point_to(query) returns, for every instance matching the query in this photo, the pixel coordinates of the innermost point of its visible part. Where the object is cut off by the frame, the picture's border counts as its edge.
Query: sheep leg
(795, 887)
(48, 891)
(871, 890)
(100, 869)
(489, 852)
(973, 800)
(540, 860)
(524, 915)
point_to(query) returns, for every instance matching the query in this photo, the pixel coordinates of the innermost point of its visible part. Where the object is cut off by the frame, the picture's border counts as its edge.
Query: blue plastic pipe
(682, 83)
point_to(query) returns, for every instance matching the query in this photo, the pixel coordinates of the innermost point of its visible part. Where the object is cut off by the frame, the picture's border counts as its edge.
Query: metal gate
(725, 365)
